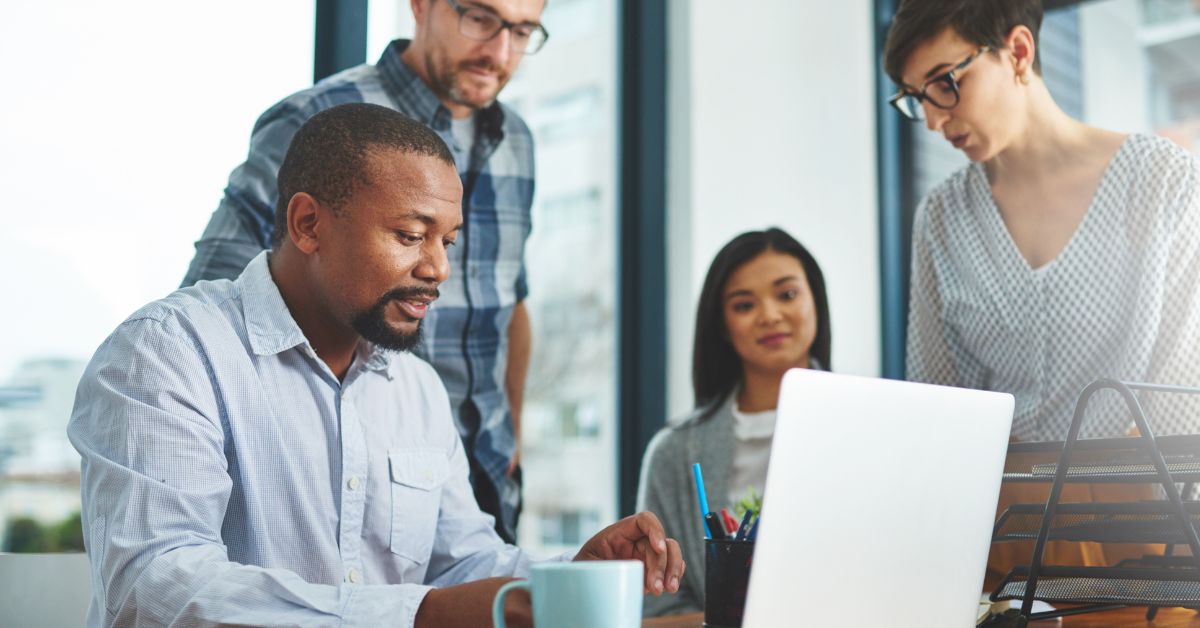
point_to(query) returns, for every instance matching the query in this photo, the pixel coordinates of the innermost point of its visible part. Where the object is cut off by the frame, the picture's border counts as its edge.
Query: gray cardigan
(668, 490)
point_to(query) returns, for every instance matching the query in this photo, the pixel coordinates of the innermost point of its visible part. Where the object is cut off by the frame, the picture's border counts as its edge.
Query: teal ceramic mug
(586, 594)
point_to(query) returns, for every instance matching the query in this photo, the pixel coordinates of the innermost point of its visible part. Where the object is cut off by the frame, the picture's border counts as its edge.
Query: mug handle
(498, 603)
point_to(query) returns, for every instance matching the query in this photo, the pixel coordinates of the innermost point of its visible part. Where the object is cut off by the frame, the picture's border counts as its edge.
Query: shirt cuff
(384, 605)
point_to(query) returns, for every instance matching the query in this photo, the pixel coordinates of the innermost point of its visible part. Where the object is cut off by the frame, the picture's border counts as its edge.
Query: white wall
(772, 108)
(1115, 81)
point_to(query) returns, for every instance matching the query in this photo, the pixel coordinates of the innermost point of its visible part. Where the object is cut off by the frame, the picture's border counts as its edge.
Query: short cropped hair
(981, 22)
(328, 155)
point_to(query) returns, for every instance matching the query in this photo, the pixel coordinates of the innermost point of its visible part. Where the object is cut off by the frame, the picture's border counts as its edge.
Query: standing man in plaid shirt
(477, 336)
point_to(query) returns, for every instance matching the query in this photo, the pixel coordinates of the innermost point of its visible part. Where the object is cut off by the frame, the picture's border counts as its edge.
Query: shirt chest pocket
(417, 478)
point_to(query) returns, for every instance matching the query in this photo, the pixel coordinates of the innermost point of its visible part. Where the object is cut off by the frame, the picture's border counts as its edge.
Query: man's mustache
(408, 293)
(482, 64)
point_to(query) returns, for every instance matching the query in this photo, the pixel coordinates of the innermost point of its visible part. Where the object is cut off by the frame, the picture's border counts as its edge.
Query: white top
(752, 433)
(1121, 300)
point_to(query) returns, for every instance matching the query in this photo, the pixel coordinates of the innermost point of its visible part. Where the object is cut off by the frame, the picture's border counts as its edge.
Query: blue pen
(703, 499)
(754, 528)
(744, 529)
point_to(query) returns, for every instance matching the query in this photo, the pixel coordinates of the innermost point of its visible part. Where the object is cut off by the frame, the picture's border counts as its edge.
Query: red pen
(731, 524)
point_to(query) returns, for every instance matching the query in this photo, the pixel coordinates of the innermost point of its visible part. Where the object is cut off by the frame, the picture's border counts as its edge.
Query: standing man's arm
(242, 224)
(520, 343)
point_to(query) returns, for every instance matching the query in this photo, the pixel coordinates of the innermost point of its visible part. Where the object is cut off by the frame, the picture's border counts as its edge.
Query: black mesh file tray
(1165, 462)
(1135, 522)
(1106, 585)
(1113, 460)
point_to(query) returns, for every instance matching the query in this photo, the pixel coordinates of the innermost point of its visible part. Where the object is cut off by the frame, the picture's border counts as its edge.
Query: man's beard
(447, 81)
(372, 324)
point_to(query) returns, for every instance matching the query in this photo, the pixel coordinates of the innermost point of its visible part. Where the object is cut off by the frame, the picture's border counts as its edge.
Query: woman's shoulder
(674, 436)
(955, 191)
(1157, 159)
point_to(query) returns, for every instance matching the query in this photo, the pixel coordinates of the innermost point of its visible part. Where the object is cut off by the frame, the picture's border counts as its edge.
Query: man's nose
(434, 264)
(499, 47)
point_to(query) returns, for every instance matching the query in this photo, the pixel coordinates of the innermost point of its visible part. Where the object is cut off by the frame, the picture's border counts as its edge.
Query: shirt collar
(419, 101)
(270, 326)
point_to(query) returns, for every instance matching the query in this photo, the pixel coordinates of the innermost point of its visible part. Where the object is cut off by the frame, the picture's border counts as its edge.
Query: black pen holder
(726, 580)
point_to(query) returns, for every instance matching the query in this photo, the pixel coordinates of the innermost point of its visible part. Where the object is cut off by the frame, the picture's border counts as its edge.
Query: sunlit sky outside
(121, 123)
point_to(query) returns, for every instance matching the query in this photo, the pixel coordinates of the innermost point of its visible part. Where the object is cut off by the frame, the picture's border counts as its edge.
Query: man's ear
(303, 217)
(1022, 48)
(420, 10)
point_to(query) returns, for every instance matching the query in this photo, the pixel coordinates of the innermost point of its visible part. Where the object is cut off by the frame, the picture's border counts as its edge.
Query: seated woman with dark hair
(762, 311)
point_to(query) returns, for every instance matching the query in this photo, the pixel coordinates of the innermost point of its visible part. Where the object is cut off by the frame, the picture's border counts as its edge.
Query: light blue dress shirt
(229, 478)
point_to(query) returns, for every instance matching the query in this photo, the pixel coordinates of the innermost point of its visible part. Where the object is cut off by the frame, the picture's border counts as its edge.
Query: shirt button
(353, 483)
(353, 576)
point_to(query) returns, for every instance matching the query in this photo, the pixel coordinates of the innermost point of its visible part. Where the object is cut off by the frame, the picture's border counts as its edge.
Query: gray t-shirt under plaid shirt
(1121, 300)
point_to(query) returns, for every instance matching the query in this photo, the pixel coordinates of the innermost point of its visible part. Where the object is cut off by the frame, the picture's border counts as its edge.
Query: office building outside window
(568, 94)
(119, 131)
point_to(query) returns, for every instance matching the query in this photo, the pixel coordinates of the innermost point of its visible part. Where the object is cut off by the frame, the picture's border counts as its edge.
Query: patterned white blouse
(1121, 300)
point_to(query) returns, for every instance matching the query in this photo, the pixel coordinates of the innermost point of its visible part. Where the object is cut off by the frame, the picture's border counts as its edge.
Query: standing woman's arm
(928, 355)
(1176, 357)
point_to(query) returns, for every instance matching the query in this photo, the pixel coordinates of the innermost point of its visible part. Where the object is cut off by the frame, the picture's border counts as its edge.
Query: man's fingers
(675, 565)
(649, 524)
(656, 567)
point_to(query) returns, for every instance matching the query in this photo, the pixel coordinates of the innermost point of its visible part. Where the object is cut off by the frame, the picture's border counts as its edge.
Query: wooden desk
(1124, 618)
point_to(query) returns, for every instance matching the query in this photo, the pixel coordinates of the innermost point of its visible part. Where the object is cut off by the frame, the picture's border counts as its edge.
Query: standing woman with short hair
(762, 311)
(1062, 253)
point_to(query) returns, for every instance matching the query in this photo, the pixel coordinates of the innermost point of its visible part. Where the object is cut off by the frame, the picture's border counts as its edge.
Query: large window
(567, 95)
(120, 126)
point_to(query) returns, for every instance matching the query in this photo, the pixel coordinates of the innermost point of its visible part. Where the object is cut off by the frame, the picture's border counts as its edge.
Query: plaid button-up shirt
(465, 335)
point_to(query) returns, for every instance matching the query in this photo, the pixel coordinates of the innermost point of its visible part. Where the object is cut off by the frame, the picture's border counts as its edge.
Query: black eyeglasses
(940, 91)
(482, 24)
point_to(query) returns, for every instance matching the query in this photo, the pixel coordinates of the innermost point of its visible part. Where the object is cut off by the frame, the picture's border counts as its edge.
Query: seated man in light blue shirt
(264, 452)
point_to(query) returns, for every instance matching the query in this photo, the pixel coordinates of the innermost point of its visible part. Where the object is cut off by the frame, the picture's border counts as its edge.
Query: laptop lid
(879, 503)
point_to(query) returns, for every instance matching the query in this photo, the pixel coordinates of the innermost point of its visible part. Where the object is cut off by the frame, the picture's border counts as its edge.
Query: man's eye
(447, 243)
(481, 18)
(409, 238)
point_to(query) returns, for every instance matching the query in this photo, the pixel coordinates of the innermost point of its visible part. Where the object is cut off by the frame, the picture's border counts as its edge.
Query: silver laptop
(879, 503)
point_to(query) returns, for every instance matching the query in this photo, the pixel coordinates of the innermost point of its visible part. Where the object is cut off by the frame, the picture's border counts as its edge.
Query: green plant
(752, 502)
(27, 535)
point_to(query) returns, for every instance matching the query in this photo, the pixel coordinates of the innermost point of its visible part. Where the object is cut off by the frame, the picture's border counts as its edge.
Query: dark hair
(716, 366)
(981, 22)
(328, 155)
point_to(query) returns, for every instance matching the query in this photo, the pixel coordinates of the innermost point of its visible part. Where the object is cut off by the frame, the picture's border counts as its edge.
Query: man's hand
(470, 605)
(640, 537)
(512, 466)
